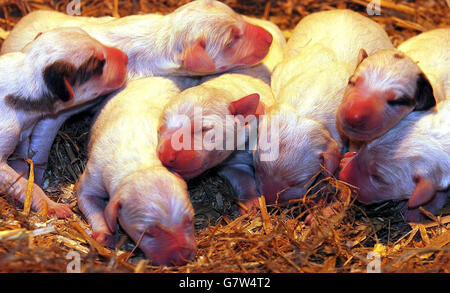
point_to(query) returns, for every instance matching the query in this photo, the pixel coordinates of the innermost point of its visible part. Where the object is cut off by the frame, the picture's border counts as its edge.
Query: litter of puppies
(319, 227)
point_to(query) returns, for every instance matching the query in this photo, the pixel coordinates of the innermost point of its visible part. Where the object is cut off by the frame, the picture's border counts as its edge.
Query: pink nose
(360, 111)
(260, 40)
(167, 154)
(260, 34)
(355, 119)
(117, 55)
(180, 256)
(175, 247)
(180, 160)
(116, 68)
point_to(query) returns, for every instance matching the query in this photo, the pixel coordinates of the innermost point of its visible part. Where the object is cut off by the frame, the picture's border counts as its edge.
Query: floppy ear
(422, 194)
(111, 211)
(331, 158)
(361, 56)
(58, 78)
(196, 58)
(424, 94)
(261, 109)
(248, 105)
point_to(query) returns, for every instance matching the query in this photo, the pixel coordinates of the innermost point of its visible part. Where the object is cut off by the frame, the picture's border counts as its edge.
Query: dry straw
(262, 239)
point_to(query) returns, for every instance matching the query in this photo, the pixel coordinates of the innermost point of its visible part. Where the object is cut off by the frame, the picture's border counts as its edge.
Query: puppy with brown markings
(199, 38)
(50, 75)
(390, 84)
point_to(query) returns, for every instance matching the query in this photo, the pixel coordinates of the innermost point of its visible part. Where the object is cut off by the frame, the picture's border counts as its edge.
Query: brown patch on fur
(56, 76)
(424, 94)
(91, 67)
(43, 104)
(399, 56)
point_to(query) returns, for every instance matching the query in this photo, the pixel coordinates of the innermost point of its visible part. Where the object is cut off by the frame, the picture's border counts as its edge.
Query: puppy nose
(167, 154)
(181, 255)
(118, 55)
(355, 118)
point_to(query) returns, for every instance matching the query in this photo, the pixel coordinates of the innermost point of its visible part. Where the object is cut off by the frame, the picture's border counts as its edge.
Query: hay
(268, 239)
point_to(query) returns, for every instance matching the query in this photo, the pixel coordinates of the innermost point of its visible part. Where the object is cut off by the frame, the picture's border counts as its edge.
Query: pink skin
(18, 190)
(116, 69)
(173, 244)
(415, 214)
(169, 245)
(256, 40)
(364, 113)
(356, 171)
(60, 81)
(38, 146)
(247, 48)
(276, 189)
(191, 163)
(163, 245)
(385, 87)
(187, 163)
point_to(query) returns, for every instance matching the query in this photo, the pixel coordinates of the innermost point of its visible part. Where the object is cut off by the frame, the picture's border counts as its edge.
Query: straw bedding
(268, 239)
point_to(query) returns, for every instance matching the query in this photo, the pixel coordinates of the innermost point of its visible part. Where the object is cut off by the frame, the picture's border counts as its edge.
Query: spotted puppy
(50, 75)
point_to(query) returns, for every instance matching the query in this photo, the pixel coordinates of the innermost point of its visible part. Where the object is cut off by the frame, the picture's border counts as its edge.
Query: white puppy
(51, 74)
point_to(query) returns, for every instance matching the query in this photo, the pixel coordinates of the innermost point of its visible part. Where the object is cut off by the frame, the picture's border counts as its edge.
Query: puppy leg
(15, 185)
(92, 200)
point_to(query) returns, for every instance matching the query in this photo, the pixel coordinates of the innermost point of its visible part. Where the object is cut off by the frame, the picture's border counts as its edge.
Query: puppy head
(402, 163)
(303, 146)
(199, 129)
(73, 67)
(385, 87)
(212, 38)
(153, 207)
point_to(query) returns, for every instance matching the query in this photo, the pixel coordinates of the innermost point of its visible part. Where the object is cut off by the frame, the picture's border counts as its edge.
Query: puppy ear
(248, 105)
(111, 211)
(331, 158)
(423, 192)
(58, 78)
(424, 94)
(196, 59)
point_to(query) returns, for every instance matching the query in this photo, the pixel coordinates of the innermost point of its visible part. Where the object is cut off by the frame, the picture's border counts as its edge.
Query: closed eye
(402, 101)
(91, 67)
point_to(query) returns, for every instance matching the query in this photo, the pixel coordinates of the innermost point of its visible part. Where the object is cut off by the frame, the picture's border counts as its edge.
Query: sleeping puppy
(50, 75)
